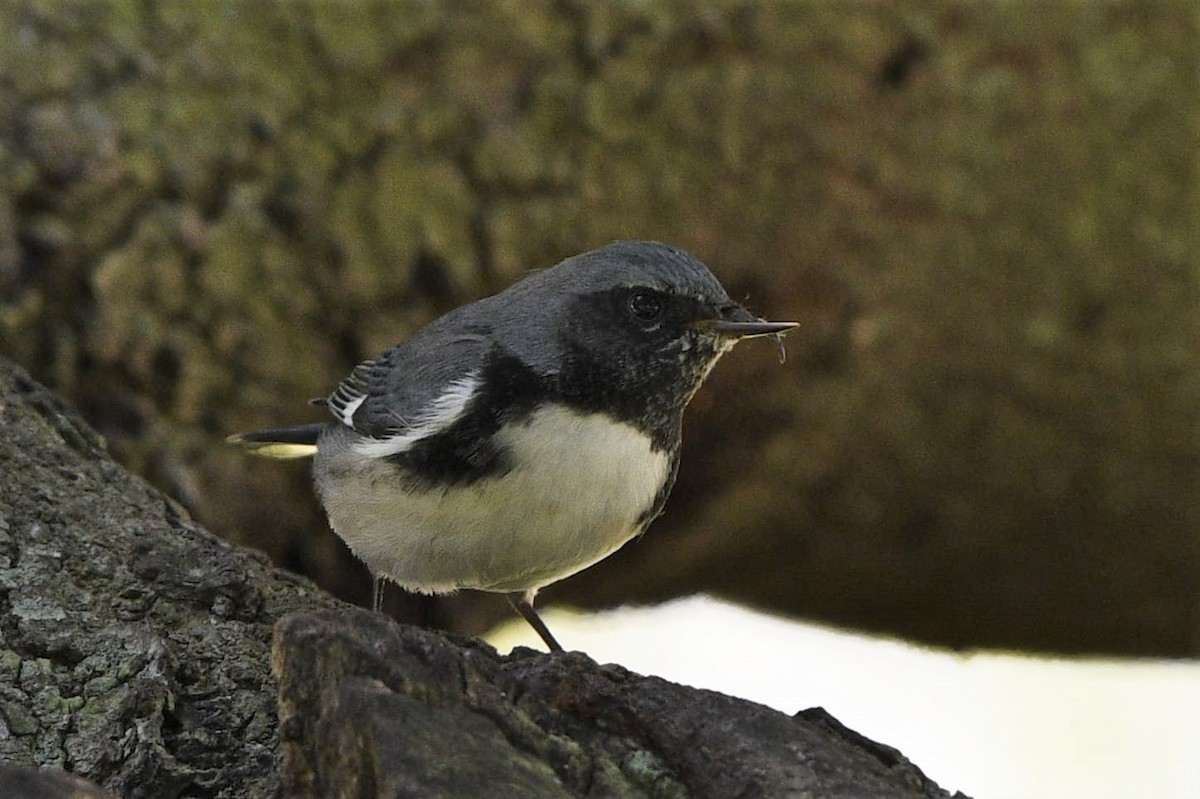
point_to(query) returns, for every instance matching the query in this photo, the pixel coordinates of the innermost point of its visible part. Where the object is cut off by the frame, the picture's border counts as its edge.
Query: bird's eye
(645, 306)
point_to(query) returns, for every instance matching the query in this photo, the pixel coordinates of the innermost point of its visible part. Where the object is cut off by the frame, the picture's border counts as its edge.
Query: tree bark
(372, 708)
(134, 645)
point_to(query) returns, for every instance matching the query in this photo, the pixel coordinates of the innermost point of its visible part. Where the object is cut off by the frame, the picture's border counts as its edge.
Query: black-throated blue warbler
(519, 439)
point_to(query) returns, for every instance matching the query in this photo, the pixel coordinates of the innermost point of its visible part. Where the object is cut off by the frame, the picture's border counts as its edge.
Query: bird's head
(639, 320)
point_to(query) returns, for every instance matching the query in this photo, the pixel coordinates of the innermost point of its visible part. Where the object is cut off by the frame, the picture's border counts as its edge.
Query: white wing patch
(346, 412)
(436, 417)
(351, 393)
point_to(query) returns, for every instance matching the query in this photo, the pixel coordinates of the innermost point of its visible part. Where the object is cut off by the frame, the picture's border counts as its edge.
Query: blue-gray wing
(414, 386)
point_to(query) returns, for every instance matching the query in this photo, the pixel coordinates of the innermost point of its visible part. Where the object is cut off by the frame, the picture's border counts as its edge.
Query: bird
(524, 437)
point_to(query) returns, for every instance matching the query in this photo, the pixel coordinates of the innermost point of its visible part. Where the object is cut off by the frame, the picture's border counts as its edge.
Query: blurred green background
(987, 433)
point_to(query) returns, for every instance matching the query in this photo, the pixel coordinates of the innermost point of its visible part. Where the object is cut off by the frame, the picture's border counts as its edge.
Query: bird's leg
(377, 585)
(522, 603)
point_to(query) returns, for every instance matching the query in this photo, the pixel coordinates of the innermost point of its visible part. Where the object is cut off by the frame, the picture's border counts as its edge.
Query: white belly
(578, 491)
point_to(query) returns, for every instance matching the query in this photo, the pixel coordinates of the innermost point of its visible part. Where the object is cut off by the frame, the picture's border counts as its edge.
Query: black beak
(737, 322)
(759, 327)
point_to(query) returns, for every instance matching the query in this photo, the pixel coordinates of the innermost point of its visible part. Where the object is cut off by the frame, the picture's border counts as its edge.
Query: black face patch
(632, 353)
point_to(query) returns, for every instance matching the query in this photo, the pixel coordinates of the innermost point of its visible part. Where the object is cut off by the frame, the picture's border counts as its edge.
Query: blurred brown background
(988, 429)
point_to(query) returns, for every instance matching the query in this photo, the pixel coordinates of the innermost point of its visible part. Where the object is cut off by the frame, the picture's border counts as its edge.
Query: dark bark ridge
(134, 645)
(372, 708)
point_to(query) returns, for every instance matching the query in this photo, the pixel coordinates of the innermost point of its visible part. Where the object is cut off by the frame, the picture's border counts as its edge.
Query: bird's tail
(283, 442)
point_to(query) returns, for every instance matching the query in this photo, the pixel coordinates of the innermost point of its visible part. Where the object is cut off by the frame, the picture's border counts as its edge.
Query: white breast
(579, 485)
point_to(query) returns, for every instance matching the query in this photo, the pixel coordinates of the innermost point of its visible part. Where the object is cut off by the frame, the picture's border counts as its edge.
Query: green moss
(99, 686)
(20, 721)
(647, 771)
(10, 666)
